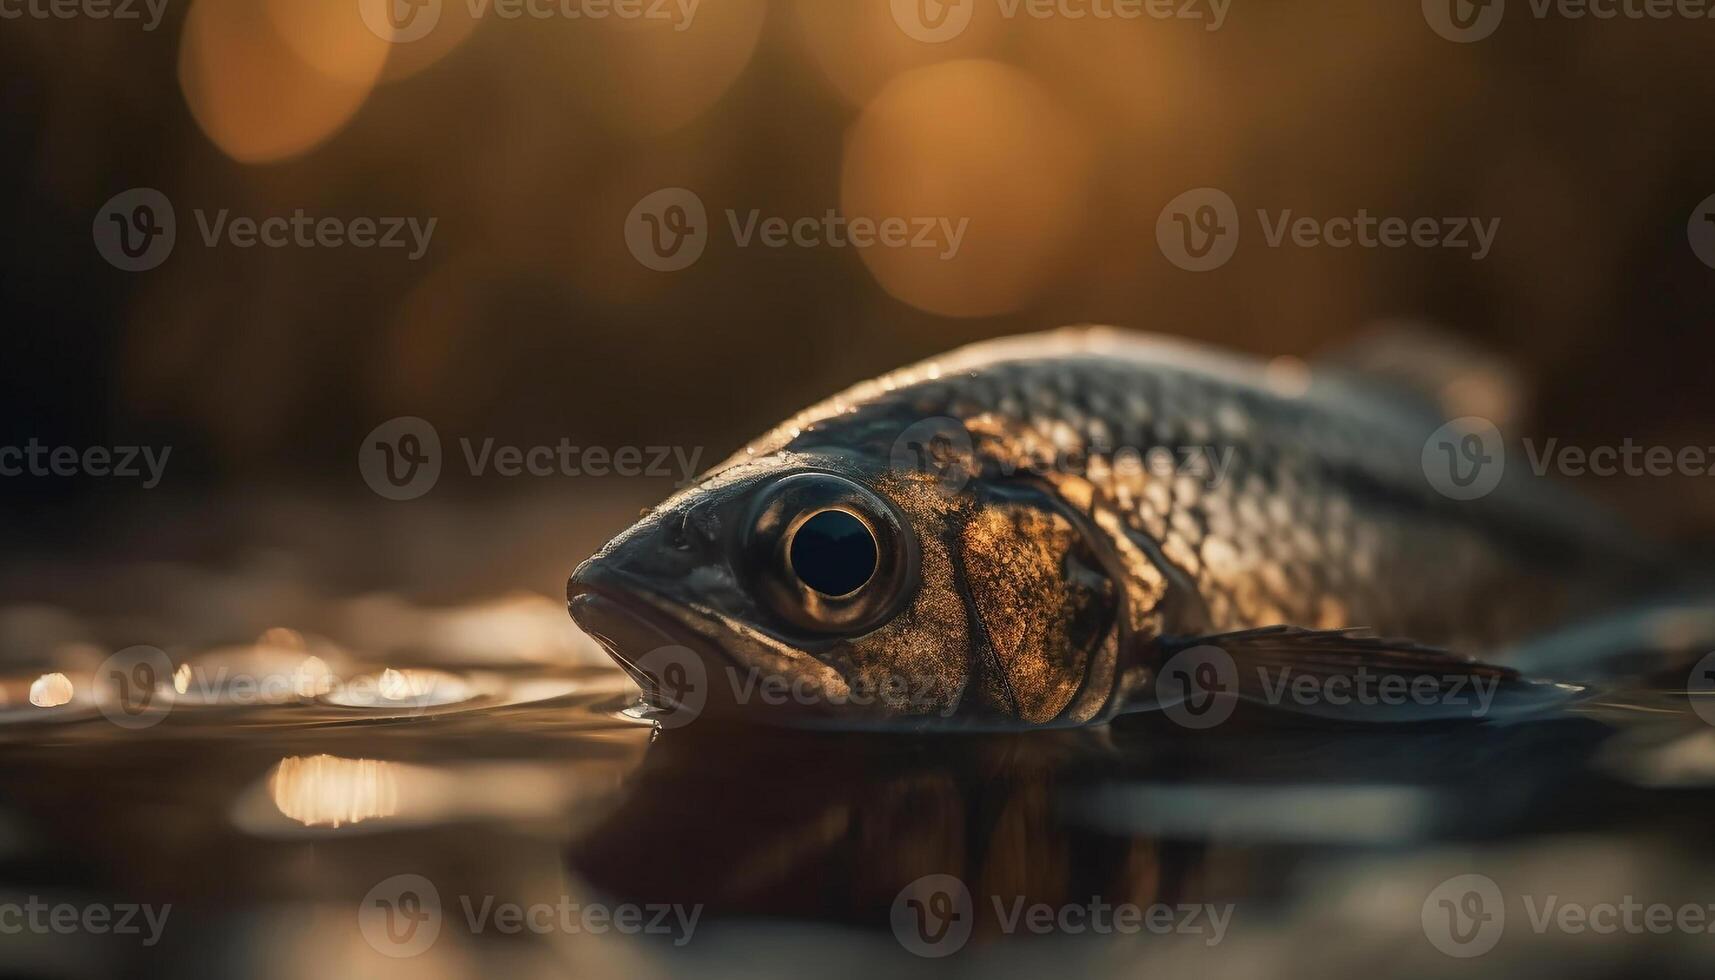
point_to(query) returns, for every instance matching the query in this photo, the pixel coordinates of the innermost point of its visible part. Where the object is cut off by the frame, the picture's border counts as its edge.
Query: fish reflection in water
(832, 826)
(1317, 846)
(1285, 827)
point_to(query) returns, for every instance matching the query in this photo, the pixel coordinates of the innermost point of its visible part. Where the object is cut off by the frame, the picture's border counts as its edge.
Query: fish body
(1024, 531)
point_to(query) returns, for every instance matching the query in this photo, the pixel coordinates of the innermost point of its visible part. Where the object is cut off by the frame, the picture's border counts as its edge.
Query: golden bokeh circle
(974, 140)
(271, 80)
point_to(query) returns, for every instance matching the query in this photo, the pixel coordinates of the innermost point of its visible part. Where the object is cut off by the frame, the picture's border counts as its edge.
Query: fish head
(829, 584)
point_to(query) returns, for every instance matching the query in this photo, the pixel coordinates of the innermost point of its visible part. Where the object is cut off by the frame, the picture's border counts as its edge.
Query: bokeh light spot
(268, 81)
(967, 139)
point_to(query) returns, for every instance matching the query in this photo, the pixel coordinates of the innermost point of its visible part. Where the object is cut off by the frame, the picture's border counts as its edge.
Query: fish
(1055, 529)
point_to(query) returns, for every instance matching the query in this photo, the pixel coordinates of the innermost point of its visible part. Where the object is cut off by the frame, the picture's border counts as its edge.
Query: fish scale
(1327, 517)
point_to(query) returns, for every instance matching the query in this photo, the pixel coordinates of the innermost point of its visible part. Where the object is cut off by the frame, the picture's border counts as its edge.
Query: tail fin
(1660, 640)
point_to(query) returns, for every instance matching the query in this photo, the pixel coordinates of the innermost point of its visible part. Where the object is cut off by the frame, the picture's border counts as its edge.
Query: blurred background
(529, 138)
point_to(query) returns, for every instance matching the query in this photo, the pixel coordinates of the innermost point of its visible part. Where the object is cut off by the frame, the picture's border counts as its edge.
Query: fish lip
(620, 614)
(624, 616)
(617, 617)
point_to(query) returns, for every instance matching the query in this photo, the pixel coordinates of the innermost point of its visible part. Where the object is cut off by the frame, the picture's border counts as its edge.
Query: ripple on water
(410, 690)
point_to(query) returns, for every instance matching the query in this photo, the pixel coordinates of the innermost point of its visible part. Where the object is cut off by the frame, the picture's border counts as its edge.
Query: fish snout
(638, 597)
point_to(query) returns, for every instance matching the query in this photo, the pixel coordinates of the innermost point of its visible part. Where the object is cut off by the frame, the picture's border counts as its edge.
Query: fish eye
(833, 552)
(828, 555)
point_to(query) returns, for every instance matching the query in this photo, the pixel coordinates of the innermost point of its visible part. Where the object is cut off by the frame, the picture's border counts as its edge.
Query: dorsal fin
(1454, 375)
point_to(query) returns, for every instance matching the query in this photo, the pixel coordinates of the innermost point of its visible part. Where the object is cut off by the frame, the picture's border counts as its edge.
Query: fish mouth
(650, 644)
(626, 627)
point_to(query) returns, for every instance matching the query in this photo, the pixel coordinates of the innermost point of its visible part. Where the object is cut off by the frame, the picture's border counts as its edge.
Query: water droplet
(51, 690)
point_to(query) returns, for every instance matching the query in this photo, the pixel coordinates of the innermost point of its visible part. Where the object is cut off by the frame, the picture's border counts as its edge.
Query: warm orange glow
(656, 74)
(860, 46)
(327, 791)
(976, 140)
(269, 81)
(328, 36)
(427, 37)
(51, 690)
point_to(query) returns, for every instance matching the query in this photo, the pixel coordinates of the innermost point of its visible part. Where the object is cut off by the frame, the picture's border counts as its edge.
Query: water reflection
(799, 847)
(326, 791)
(51, 690)
(831, 826)
(837, 827)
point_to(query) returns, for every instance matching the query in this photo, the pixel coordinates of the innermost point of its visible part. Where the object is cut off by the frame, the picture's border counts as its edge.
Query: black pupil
(833, 553)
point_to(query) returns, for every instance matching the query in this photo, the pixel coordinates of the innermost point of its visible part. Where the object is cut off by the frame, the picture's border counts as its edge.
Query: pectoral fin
(1352, 675)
